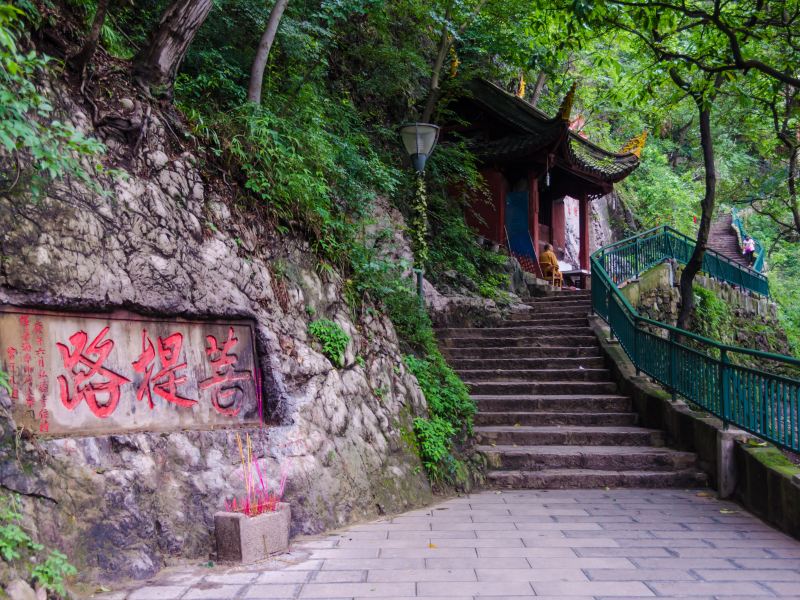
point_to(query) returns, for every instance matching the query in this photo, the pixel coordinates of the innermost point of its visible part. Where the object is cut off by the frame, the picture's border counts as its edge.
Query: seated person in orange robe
(549, 262)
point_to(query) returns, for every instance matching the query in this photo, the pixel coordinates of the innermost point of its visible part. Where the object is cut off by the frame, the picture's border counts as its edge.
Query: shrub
(332, 338)
(19, 549)
(451, 413)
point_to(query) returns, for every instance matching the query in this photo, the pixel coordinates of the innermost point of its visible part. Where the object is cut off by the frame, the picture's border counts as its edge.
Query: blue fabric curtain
(519, 238)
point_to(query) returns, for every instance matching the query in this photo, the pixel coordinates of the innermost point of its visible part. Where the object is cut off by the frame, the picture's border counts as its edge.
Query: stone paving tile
(526, 552)
(284, 576)
(270, 592)
(339, 577)
(478, 588)
(763, 575)
(570, 545)
(158, 592)
(427, 551)
(415, 575)
(592, 588)
(717, 589)
(214, 592)
(362, 590)
(641, 575)
(537, 574)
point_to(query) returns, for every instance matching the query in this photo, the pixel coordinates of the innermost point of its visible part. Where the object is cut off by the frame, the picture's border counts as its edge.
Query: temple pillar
(533, 209)
(488, 217)
(583, 215)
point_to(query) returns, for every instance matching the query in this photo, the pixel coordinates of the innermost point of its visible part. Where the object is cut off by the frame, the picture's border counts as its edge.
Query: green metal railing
(756, 391)
(758, 264)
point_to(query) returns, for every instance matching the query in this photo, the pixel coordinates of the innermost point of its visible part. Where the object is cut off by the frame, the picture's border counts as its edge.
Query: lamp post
(419, 140)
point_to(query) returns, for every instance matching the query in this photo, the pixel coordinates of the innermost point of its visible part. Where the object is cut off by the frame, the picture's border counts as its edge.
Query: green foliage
(4, 382)
(332, 338)
(712, 316)
(451, 413)
(35, 147)
(18, 549)
(53, 571)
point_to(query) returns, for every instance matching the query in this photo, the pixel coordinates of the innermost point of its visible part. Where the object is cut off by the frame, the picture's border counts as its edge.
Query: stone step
(557, 303)
(535, 375)
(541, 388)
(572, 435)
(559, 298)
(535, 313)
(587, 478)
(559, 351)
(533, 332)
(514, 363)
(538, 320)
(536, 419)
(604, 458)
(556, 403)
(517, 342)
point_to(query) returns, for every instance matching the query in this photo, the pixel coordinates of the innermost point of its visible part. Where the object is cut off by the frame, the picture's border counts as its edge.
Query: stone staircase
(723, 239)
(549, 414)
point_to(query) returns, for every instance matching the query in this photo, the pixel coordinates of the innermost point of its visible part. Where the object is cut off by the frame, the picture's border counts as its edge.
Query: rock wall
(753, 320)
(168, 241)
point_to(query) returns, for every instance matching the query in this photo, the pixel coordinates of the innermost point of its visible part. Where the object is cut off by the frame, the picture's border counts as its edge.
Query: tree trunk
(538, 88)
(85, 54)
(444, 47)
(262, 54)
(158, 62)
(696, 261)
(793, 202)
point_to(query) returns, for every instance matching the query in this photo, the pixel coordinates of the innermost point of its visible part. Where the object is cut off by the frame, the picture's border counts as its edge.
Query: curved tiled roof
(537, 131)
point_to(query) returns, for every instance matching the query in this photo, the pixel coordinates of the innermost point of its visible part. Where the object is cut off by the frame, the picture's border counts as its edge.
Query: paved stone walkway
(566, 545)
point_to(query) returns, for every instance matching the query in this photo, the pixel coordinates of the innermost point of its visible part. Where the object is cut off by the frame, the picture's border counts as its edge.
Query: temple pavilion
(531, 162)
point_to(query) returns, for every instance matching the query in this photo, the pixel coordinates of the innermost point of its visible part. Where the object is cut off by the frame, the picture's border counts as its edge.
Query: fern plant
(332, 338)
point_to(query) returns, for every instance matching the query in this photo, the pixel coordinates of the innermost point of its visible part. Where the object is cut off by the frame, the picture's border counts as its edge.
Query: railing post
(608, 314)
(673, 367)
(636, 345)
(636, 259)
(723, 386)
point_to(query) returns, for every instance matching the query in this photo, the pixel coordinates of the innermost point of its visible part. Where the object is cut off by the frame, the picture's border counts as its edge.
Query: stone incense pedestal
(249, 539)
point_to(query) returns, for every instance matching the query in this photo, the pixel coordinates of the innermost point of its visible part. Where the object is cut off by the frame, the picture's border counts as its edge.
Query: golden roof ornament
(635, 145)
(454, 62)
(521, 86)
(565, 109)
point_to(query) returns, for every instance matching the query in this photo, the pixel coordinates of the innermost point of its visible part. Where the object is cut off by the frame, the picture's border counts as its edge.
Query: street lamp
(419, 140)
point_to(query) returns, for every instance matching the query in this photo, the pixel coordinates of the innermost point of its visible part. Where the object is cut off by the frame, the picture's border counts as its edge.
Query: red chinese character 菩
(225, 392)
(85, 366)
(164, 383)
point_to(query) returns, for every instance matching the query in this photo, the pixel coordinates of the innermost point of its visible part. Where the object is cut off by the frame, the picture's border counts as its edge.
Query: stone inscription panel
(75, 374)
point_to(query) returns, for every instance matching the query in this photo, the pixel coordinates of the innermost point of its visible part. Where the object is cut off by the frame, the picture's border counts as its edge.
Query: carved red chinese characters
(164, 383)
(91, 381)
(225, 393)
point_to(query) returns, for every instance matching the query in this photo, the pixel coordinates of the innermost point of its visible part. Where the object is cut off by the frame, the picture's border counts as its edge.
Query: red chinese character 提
(85, 366)
(223, 360)
(164, 383)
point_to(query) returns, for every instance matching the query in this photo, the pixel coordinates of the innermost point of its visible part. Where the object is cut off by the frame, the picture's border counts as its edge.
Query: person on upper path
(749, 249)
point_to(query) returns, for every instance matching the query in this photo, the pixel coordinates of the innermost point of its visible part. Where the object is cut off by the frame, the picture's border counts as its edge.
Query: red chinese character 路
(90, 378)
(164, 383)
(225, 392)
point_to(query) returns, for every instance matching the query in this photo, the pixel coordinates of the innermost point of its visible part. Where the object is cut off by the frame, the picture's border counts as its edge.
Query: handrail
(712, 375)
(738, 225)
